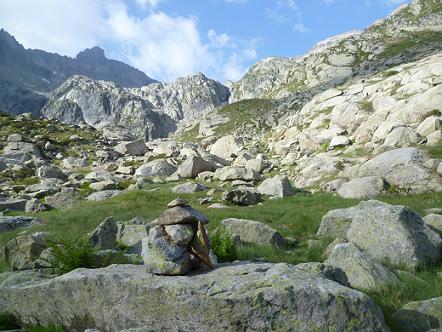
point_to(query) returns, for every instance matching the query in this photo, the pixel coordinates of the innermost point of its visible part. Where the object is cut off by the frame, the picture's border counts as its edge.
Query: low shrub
(8, 321)
(223, 246)
(70, 254)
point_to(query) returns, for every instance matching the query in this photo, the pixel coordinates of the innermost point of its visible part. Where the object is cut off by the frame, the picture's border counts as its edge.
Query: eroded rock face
(241, 296)
(337, 59)
(363, 271)
(187, 98)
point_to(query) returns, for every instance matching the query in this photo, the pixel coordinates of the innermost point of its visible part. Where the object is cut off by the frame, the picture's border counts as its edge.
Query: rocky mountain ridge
(148, 112)
(26, 75)
(356, 54)
(41, 71)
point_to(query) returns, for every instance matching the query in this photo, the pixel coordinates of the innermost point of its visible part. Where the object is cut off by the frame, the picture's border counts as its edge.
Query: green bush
(8, 321)
(70, 254)
(124, 184)
(223, 246)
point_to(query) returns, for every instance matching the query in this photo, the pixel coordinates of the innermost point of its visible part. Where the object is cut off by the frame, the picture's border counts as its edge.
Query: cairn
(178, 242)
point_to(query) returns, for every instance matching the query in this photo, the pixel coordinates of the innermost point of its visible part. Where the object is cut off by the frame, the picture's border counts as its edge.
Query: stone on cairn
(178, 242)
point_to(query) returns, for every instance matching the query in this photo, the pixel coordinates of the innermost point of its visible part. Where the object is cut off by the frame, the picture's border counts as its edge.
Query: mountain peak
(94, 53)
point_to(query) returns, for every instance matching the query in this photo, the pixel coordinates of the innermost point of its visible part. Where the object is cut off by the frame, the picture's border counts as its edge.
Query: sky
(168, 39)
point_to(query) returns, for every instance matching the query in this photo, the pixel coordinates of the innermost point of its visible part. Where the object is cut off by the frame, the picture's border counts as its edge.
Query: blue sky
(172, 38)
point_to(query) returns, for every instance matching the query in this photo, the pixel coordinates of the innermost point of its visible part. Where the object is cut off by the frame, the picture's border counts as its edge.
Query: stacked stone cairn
(178, 242)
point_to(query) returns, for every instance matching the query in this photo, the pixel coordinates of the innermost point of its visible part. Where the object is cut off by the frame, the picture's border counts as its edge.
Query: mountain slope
(412, 32)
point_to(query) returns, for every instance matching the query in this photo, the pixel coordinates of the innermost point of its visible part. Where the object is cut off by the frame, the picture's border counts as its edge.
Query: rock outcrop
(187, 98)
(410, 241)
(104, 105)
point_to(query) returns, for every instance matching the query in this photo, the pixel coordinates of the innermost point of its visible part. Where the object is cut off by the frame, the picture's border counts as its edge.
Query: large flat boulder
(159, 167)
(134, 148)
(12, 204)
(231, 173)
(227, 147)
(247, 296)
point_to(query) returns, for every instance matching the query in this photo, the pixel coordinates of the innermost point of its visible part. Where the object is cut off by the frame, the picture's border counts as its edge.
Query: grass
(51, 131)
(298, 217)
(367, 106)
(72, 253)
(190, 135)
(244, 112)
(413, 40)
(419, 286)
(389, 73)
(435, 151)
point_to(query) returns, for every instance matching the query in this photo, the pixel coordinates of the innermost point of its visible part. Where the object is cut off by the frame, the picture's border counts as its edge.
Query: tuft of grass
(435, 151)
(124, 184)
(367, 106)
(223, 246)
(418, 286)
(389, 73)
(71, 254)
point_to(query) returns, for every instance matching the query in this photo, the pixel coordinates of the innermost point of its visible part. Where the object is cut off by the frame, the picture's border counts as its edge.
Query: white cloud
(162, 45)
(236, 1)
(152, 3)
(220, 40)
(62, 26)
(288, 12)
